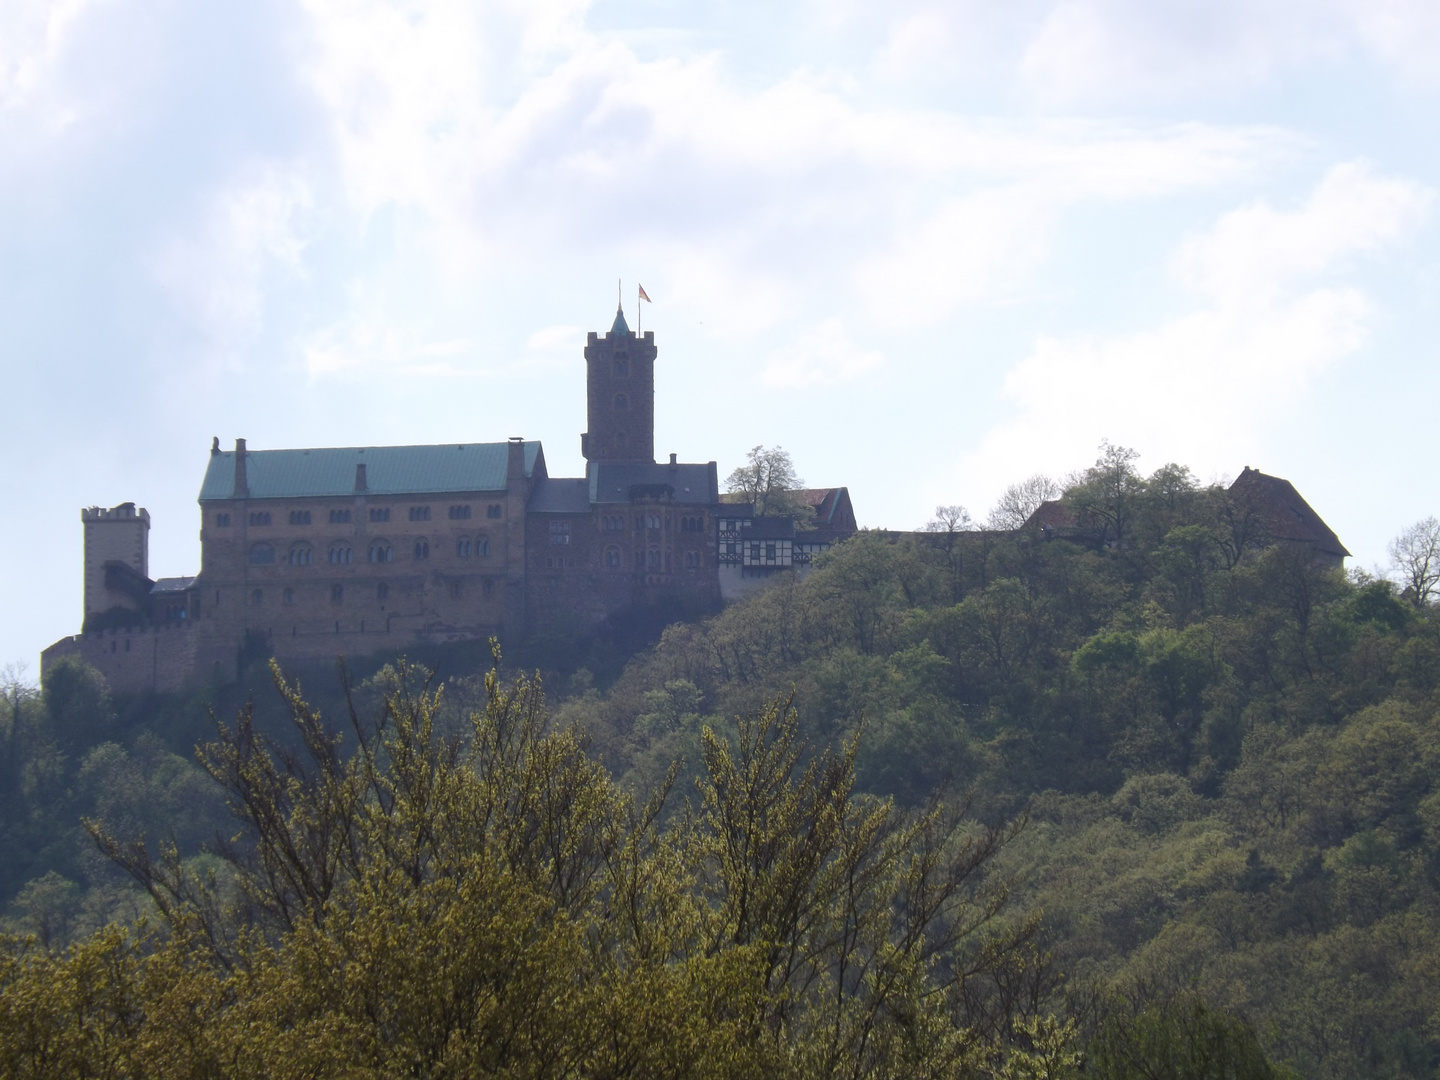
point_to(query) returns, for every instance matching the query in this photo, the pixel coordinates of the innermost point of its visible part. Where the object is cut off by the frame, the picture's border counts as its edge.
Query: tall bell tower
(620, 395)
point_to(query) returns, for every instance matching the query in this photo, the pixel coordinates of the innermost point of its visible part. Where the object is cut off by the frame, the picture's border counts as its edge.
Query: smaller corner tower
(620, 395)
(117, 557)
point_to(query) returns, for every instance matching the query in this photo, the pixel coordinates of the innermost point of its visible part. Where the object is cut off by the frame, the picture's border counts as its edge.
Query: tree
(497, 905)
(1109, 491)
(768, 480)
(1415, 558)
(1180, 1039)
(947, 524)
(1021, 500)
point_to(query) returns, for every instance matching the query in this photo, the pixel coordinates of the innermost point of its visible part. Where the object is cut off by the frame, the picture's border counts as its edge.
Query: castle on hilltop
(325, 552)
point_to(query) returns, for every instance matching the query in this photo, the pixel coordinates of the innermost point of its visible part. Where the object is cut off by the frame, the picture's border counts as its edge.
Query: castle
(325, 552)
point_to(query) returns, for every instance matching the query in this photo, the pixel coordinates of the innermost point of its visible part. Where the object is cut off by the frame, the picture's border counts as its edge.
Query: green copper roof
(389, 470)
(621, 326)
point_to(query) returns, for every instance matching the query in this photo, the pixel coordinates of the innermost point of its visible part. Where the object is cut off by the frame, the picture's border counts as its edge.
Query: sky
(928, 248)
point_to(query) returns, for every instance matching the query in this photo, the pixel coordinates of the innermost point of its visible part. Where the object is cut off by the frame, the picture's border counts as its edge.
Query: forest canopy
(1185, 781)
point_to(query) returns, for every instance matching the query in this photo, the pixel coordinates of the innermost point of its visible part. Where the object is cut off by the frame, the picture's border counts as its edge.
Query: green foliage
(495, 904)
(1178, 1040)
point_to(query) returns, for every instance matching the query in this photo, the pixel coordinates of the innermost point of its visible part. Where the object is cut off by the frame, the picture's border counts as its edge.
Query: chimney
(360, 477)
(672, 460)
(242, 486)
(515, 464)
(215, 446)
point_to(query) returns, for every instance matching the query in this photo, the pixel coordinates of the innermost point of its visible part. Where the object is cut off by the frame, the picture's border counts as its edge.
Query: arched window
(652, 521)
(622, 402)
(340, 554)
(612, 556)
(380, 551)
(289, 596)
(655, 558)
(422, 548)
(692, 560)
(462, 547)
(301, 555)
(337, 594)
(262, 554)
(639, 560)
(482, 546)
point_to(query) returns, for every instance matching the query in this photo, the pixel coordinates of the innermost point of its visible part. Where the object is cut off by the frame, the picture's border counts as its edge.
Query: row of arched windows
(653, 559)
(380, 551)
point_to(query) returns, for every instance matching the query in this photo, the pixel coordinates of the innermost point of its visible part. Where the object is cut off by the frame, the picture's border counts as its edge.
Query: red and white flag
(644, 297)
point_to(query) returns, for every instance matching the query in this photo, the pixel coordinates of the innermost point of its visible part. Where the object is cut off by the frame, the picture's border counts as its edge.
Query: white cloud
(555, 337)
(1202, 387)
(33, 37)
(1257, 252)
(215, 275)
(824, 354)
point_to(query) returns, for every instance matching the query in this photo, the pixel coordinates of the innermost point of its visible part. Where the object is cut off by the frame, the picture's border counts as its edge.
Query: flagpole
(639, 314)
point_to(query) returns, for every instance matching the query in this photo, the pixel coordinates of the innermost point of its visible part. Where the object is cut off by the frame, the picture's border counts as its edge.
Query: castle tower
(117, 557)
(620, 395)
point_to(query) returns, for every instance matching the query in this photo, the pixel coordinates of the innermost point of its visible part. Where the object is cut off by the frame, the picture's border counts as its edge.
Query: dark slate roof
(614, 482)
(620, 326)
(1051, 514)
(389, 470)
(834, 516)
(770, 528)
(560, 495)
(171, 585)
(1287, 515)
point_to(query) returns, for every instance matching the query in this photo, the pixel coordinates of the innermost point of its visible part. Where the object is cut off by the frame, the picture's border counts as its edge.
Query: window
(482, 546)
(769, 552)
(382, 591)
(301, 555)
(652, 521)
(337, 596)
(622, 402)
(613, 524)
(289, 596)
(462, 547)
(299, 517)
(260, 517)
(340, 554)
(222, 521)
(380, 513)
(494, 510)
(639, 560)
(455, 590)
(692, 560)
(459, 513)
(339, 517)
(256, 597)
(655, 558)
(262, 555)
(692, 524)
(560, 532)
(622, 366)
(755, 553)
(422, 548)
(419, 513)
(612, 556)
(379, 551)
